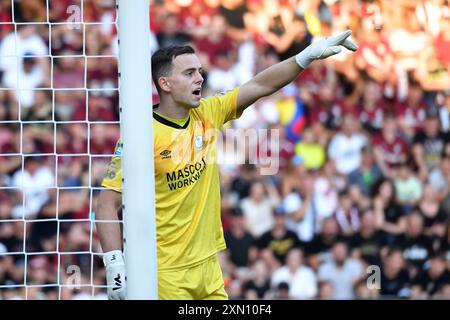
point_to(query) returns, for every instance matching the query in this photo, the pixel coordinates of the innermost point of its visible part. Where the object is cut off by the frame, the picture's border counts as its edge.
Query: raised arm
(277, 76)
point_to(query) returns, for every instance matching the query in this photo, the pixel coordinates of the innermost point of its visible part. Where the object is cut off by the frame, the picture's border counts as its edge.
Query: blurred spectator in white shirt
(258, 208)
(345, 147)
(301, 279)
(343, 272)
(33, 182)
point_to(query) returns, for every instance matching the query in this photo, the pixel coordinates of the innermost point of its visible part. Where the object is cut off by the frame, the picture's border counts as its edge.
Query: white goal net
(59, 121)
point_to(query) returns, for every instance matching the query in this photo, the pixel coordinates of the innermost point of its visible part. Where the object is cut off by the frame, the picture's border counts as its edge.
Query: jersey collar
(169, 123)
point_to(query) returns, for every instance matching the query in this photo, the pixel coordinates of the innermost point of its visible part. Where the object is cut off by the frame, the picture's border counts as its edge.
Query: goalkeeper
(188, 223)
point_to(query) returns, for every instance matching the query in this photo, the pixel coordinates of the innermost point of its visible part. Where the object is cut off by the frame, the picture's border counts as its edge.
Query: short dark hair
(162, 61)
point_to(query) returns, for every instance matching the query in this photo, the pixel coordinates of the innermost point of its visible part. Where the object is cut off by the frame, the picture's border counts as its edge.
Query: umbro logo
(166, 154)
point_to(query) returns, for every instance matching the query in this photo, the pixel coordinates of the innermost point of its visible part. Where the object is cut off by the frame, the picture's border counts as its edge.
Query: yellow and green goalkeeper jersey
(187, 190)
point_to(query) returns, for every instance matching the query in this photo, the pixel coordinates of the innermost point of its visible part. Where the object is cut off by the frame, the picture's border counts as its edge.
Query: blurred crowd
(360, 208)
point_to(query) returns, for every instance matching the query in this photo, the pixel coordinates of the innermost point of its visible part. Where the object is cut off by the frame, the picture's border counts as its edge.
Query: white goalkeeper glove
(115, 275)
(325, 48)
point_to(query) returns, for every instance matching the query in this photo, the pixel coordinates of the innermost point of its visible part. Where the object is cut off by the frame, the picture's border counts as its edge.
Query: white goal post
(137, 159)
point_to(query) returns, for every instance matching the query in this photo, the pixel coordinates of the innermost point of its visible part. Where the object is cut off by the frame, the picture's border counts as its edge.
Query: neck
(169, 108)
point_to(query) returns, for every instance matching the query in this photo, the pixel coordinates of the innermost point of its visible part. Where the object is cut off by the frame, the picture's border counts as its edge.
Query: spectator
(434, 217)
(301, 279)
(288, 41)
(311, 153)
(326, 190)
(374, 107)
(279, 240)
(319, 249)
(429, 145)
(408, 188)
(259, 282)
(412, 111)
(225, 74)
(326, 290)
(389, 215)
(432, 282)
(416, 246)
(170, 33)
(258, 208)
(215, 41)
(389, 148)
(299, 207)
(347, 215)
(239, 242)
(368, 173)
(374, 54)
(362, 290)
(342, 271)
(282, 292)
(444, 244)
(34, 181)
(345, 148)
(368, 243)
(395, 280)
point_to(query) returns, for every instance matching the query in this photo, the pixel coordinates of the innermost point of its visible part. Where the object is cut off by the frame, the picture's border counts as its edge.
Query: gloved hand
(115, 275)
(325, 48)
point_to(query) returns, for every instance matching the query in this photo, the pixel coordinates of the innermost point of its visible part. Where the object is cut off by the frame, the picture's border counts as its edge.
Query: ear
(164, 84)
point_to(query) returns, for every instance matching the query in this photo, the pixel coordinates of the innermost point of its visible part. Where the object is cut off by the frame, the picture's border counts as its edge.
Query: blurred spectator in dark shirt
(368, 243)
(434, 216)
(279, 240)
(259, 281)
(395, 280)
(240, 243)
(319, 249)
(416, 246)
(432, 282)
(429, 144)
(389, 214)
(170, 33)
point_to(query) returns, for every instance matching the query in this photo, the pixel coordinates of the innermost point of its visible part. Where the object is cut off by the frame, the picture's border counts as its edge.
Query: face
(294, 259)
(389, 129)
(372, 92)
(368, 220)
(329, 227)
(431, 126)
(415, 224)
(257, 191)
(349, 124)
(386, 190)
(395, 261)
(339, 252)
(185, 81)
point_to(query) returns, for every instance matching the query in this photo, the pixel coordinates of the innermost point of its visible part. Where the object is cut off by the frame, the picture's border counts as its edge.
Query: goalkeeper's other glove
(325, 48)
(115, 275)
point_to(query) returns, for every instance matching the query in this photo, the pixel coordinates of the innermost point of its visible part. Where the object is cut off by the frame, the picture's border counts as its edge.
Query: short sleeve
(113, 178)
(221, 108)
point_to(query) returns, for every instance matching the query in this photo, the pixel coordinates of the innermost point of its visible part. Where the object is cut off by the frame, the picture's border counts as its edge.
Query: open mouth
(197, 93)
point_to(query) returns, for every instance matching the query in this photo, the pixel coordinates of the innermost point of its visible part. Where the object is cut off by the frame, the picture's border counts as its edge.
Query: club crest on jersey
(198, 142)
